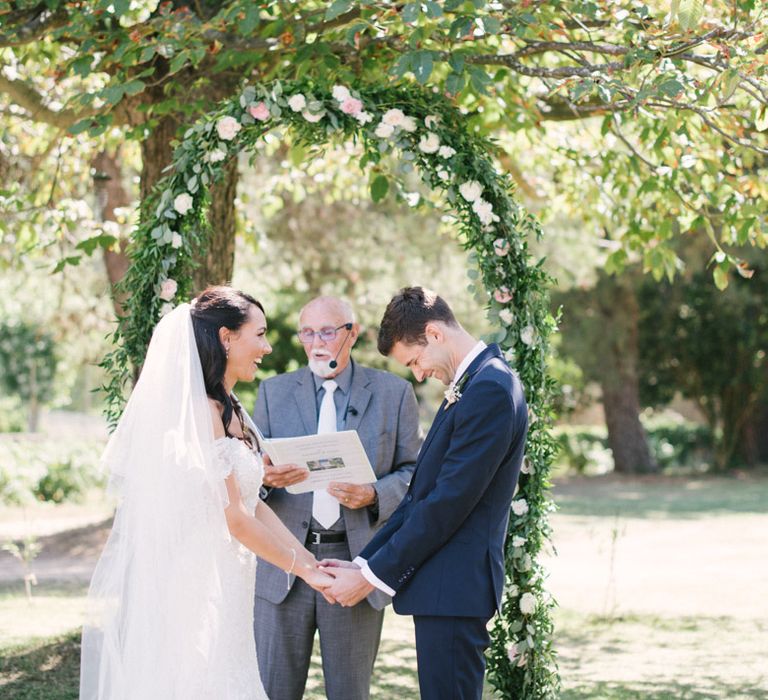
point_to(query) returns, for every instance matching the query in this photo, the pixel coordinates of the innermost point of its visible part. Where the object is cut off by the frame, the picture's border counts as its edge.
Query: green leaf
(454, 83)
(82, 66)
(403, 65)
(103, 240)
(71, 260)
(721, 276)
(337, 7)
(120, 7)
(113, 93)
(761, 121)
(178, 61)
(134, 87)
(411, 12)
(690, 13)
(480, 79)
(491, 25)
(434, 11)
(422, 66)
(670, 88)
(79, 127)
(251, 19)
(379, 188)
(146, 54)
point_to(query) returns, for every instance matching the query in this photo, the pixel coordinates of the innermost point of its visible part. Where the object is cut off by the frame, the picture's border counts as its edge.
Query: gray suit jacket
(387, 422)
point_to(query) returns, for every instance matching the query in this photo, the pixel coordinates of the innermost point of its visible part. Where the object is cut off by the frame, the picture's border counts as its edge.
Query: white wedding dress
(170, 607)
(237, 667)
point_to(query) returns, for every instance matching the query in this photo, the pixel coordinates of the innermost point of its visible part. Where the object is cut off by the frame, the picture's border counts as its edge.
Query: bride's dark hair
(212, 309)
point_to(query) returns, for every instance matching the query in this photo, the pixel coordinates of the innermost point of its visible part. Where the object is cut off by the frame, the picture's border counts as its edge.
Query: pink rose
(259, 111)
(501, 247)
(168, 289)
(502, 295)
(351, 105)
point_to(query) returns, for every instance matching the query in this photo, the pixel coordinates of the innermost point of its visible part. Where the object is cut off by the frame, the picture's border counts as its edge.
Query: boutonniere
(453, 392)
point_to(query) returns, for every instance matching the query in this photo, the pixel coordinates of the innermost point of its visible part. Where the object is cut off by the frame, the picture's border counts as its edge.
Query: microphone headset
(333, 364)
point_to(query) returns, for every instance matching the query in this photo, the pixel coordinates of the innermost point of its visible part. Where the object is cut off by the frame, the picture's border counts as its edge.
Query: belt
(326, 537)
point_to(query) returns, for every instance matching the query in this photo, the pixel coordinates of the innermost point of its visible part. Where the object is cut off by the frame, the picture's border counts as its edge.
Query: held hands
(316, 578)
(349, 586)
(282, 475)
(352, 496)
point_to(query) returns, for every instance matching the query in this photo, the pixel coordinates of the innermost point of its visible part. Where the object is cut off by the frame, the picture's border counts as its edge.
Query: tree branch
(29, 25)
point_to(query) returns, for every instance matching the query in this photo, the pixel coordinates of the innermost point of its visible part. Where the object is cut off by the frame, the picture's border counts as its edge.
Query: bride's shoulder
(218, 424)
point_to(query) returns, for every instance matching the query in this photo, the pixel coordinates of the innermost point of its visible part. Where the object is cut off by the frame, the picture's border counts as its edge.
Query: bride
(170, 612)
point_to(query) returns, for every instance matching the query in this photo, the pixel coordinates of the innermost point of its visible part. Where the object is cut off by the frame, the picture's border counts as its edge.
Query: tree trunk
(753, 446)
(217, 264)
(619, 379)
(219, 261)
(110, 195)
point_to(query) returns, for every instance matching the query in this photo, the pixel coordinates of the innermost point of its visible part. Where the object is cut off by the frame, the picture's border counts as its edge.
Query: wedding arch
(425, 130)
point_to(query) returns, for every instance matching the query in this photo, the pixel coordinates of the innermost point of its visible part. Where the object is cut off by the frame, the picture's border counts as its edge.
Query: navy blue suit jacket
(442, 550)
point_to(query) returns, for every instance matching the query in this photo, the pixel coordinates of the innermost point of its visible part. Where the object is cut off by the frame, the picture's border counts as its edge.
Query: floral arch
(426, 130)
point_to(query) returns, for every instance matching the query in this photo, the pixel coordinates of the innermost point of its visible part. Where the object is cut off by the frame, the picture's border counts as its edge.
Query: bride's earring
(226, 351)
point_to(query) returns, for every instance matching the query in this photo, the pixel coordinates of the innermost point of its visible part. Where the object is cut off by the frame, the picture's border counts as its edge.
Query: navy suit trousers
(450, 653)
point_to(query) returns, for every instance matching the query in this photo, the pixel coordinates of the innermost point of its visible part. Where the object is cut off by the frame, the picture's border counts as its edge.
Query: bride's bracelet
(289, 571)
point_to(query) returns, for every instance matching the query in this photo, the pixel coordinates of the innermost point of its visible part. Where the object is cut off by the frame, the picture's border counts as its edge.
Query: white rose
(471, 190)
(312, 117)
(446, 152)
(183, 203)
(384, 130)
(506, 316)
(512, 652)
(408, 124)
(527, 466)
(527, 335)
(526, 564)
(527, 603)
(168, 289)
(443, 175)
(215, 156)
(176, 241)
(484, 211)
(297, 102)
(520, 506)
(393, 117)
(429, 143)
(363, 117)
(227, 128)
(431, 121)
(513, 591)
(340, 93)
(518, 541)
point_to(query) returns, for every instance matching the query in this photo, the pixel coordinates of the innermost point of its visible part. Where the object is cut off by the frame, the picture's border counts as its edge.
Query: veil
(152, 622)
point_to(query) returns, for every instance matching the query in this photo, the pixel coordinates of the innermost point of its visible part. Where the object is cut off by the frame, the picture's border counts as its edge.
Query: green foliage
(55, 471)
(711, 347)
(675, 445)
(27, 360)
(420, 132)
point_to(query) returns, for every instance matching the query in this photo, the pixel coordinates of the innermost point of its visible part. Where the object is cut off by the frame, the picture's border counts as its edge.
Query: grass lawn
(661, 584)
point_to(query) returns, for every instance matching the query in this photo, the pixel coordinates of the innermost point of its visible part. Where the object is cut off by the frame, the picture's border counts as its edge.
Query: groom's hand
(282, 475)
(337, 563)
(349, 588)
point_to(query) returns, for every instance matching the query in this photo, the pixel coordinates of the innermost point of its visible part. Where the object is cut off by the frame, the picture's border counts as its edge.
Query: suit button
(305, 524)
(409, 497)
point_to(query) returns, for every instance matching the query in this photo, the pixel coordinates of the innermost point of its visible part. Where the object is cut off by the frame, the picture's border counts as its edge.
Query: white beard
(322, 368)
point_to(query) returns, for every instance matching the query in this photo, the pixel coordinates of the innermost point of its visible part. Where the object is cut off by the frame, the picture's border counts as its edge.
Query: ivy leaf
(379, 188)
(338, 7)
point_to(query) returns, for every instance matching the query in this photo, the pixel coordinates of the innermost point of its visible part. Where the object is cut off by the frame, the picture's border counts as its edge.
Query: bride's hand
(317, 579)
(337, 563)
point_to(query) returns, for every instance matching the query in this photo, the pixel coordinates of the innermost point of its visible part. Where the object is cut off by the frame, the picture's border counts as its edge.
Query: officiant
(332, 393)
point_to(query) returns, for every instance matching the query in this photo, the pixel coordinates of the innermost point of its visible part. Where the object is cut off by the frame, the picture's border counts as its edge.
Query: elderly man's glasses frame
(307, 335)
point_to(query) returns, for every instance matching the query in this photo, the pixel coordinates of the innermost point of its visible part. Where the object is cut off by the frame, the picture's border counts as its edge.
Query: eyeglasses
(307, 335)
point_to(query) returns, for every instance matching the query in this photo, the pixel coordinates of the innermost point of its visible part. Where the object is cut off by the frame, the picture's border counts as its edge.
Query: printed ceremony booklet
(329, 457)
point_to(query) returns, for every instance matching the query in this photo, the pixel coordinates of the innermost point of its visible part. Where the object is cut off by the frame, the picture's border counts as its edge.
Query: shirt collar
(343, 379)
(468, 359)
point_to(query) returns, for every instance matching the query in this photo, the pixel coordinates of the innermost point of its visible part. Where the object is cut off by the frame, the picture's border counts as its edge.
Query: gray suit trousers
(349, 639)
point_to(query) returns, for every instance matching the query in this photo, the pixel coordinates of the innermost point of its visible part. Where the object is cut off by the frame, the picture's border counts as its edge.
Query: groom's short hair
(407, 316)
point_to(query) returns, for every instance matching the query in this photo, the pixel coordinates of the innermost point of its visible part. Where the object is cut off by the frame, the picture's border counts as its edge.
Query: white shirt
(365, 570)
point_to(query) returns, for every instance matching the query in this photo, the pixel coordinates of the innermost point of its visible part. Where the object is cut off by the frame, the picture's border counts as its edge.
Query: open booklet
(329, 457)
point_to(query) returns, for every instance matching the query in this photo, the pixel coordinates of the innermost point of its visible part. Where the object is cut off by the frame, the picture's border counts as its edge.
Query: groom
(441, 554)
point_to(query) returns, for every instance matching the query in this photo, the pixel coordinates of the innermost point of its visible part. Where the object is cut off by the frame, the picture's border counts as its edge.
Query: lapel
(359, 397)
(306, 400)
(474, 367)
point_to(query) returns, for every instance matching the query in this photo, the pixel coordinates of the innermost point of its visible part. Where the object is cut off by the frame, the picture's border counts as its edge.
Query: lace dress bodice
(238, 654)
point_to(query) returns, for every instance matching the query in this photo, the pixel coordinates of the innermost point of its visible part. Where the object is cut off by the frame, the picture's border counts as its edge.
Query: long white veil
(152, 623)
